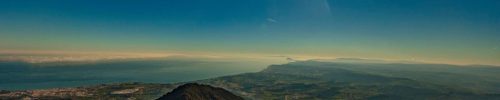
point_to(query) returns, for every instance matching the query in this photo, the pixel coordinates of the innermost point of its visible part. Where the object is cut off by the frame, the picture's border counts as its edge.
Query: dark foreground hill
(194, 91)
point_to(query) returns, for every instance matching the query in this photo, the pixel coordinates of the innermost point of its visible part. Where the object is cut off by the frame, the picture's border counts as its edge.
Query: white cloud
(271, 20)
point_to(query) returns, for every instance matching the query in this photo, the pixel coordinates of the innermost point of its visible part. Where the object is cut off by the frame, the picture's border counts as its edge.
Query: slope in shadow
(194, 91)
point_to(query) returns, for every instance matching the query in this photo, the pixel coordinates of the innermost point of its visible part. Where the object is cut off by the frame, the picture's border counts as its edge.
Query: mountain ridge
(195, 91)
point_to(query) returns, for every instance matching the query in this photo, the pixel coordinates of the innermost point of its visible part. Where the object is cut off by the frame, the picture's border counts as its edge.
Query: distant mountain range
(309, 80)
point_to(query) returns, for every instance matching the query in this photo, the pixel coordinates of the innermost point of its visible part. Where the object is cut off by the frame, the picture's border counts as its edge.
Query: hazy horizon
(447, 31)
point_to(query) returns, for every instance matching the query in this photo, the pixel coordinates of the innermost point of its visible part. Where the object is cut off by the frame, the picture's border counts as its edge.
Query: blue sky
(451, 31)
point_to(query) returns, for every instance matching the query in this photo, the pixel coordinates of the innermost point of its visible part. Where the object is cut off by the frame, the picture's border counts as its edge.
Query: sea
(25, 76)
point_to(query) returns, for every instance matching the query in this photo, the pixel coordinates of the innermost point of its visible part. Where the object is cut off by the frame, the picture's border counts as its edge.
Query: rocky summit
(195, 91)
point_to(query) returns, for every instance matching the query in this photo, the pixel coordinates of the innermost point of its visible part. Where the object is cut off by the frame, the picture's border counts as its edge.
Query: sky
(439, 31)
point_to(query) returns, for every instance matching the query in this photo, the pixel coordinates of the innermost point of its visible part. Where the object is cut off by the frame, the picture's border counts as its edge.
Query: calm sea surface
(19, 76)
